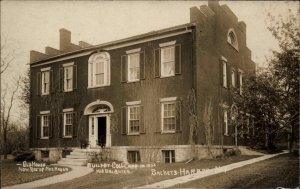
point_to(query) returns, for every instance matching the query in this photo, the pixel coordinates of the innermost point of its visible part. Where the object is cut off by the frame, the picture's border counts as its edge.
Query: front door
(99, 131)
(102, 131)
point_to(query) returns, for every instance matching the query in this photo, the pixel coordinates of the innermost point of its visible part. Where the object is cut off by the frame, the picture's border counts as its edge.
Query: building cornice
(160, 34)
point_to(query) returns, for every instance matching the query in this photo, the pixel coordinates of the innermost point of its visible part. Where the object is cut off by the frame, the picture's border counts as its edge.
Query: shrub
(232, 152)
(23, 156)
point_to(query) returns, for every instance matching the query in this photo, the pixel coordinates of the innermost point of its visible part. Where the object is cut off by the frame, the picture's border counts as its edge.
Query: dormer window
(232, 39)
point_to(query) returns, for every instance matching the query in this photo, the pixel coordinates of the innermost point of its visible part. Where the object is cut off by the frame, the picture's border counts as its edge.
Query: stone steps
(77, 157)
(78, 153)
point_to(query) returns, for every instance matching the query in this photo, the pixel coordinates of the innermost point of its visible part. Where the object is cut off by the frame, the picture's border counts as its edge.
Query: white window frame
(162, 59)
(241, 81)
(128, 66)
(234, 44)
(43, 75)
(136, 155)
(225, 120)
(169, 153)
(224, 73)
(43, 115)
(70, 68)
(68, 111)
(133, 104)
(165, 101)
(233, 83)
(92, 70)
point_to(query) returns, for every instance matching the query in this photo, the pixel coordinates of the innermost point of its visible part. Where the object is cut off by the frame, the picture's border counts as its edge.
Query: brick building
(129, 96)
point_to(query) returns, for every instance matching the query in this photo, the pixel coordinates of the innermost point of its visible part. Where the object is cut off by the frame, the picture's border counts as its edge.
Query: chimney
(83, 44)
(36, 56)
(242, 26)
(64, 40)
(213, 5)
(51, 51)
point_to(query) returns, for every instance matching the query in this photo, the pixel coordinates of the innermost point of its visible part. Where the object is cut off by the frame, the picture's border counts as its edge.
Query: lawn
(11, 175)
(141, 176)
(280, 171)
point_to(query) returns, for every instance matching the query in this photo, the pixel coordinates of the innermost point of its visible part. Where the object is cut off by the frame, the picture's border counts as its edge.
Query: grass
(10, 174)
(141, 176)
(280, 171)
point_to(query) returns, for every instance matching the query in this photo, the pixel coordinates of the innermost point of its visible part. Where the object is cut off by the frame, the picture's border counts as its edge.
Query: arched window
(232, 39)
(99, 70)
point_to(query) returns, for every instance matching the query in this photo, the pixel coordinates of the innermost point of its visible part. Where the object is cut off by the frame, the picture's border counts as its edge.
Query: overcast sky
(33, 25)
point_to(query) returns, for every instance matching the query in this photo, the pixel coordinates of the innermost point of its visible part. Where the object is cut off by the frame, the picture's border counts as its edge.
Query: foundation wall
(147, 153)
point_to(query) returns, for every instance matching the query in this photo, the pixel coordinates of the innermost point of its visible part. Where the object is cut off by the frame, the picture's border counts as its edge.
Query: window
(169, 156)
(133, 156)
(168, 61)
(232, 39)
(99, 70)
(44, 153)
(241, 82)
(168, 116)
(134, 67)
(224, 73)
(68, 81)
(45, 126)
(68, 77)
(233, 78)
(225, 117)
(68, 124)
(133, 119)
(45, 82)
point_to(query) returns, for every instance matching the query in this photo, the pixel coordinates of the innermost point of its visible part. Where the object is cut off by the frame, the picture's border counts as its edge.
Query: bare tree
(6, 107)
(6, 57)
(209, 127)
(190, 107)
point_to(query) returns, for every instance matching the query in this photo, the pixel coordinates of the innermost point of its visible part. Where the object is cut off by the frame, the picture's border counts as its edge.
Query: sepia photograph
(149, 94)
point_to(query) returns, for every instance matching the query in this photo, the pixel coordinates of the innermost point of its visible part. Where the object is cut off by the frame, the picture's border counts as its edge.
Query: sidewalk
(77, 171)
(188, 178)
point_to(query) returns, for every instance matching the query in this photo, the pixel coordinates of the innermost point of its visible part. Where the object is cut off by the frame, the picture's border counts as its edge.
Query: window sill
(166, 76)
(133, 134)
(98, 86)
(168, 132)
(233, 46)
(67, 137)
(133, 81)
(66, 91)
(44, 138)
(225, 87)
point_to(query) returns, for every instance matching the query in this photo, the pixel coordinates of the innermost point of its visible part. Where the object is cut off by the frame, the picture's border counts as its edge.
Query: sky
(33, 25)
